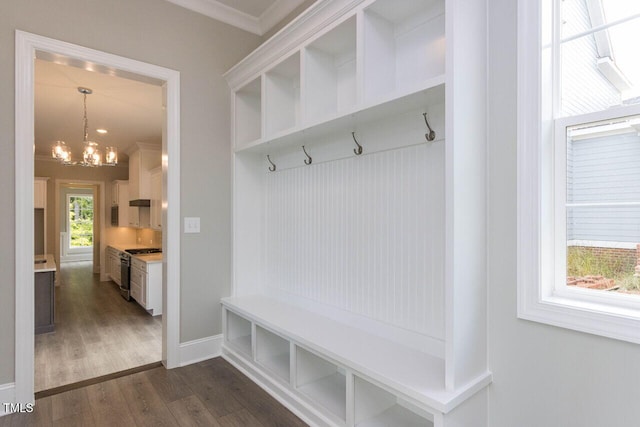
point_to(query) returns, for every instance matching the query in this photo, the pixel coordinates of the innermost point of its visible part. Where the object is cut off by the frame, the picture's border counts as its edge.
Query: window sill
(621, 323)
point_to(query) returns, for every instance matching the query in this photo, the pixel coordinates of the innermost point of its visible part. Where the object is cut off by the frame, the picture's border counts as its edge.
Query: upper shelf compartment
(330, 72)
(282, 96)
(404, 46)
(248, 113)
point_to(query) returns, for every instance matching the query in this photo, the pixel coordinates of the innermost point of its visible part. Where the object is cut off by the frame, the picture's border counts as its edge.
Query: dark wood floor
(210, 393)
(97, 331)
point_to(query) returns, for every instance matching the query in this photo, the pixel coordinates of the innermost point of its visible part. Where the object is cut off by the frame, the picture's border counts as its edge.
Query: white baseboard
(7, 395)
(202, 349)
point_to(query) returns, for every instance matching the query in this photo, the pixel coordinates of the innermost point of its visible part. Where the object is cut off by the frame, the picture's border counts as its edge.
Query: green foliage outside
(81, 221)
(583, 262)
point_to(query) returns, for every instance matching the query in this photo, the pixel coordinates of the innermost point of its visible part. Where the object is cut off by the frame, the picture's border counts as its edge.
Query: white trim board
(201, 349)
(29, 46)
(7, 395)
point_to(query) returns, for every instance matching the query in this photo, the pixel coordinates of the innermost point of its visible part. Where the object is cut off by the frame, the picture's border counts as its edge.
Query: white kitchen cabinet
(40, 192)
(113, 264)
(156, 199)
(139, 217)
(120, 203)
(353, 183)
(146, 284)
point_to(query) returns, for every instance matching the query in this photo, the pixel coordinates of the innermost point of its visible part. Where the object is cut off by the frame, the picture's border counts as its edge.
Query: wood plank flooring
(209, 393)
(97, 331)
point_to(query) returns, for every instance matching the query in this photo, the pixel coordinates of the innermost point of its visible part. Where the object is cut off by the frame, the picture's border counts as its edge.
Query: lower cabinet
(146, 285)
(113, 264)
(44, 297)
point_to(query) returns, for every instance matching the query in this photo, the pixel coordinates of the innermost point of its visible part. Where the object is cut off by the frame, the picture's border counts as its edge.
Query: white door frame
(28, 47)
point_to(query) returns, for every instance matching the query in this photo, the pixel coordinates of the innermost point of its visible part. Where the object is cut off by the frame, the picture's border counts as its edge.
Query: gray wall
(543, 375)
(164, 34)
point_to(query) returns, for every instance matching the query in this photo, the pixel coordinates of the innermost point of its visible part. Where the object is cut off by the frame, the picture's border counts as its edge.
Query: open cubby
(321, 381)
(282, 95)
(404, 45)
(374, 406)
(239, 333)
(330, 72)
(248, 113)
(272, 352)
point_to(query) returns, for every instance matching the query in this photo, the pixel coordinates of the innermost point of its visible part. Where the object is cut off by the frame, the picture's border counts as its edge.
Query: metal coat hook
(358, 150)
(308, 160)
(272, 168)
(431, 135)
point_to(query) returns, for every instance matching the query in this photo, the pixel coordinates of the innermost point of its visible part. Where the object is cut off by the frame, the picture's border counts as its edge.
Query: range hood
(140, 203)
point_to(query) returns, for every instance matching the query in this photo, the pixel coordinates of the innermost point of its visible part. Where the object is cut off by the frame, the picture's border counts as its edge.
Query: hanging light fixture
(91, 155)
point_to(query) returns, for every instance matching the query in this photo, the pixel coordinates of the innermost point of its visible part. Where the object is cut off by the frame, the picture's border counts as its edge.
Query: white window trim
(68, 249)
(609, 315)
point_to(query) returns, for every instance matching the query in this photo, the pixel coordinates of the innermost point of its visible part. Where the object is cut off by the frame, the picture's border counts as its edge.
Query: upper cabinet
(142, 159)
(40, 192)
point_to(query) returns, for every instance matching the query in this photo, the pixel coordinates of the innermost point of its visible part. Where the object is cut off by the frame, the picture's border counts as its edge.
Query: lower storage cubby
(333, 374)
(376, 407)
(272, 352)
(239, 333)
(323, 382)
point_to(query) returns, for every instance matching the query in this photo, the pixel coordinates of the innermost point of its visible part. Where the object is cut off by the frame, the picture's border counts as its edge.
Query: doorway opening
(30, 47)
(77, 238)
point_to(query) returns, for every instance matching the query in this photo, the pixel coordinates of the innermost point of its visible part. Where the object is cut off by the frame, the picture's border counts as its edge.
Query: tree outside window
(80, 221)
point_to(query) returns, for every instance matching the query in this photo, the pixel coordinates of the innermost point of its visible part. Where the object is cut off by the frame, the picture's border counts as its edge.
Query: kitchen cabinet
(139, 217)
(120, 203)
(156, 198)
(113, 264)
(40, 192)
(44, 293)
(142, 159)
(360, 313)
(44, 296)
(146, 284)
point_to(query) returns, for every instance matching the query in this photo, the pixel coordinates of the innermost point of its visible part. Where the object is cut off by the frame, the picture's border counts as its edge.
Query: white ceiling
(256, 16)
(131, 111)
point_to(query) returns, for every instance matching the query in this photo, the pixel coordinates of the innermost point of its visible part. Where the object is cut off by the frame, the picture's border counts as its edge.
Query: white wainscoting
(7, 395)
(201, 349)
(363, 234)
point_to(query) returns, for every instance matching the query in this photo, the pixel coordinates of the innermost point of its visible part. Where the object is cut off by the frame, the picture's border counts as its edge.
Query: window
(579, 165)
(80, 223)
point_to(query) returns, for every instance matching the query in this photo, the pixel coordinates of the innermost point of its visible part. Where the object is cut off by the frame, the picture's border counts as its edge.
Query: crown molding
(276, 13)
(256, 25)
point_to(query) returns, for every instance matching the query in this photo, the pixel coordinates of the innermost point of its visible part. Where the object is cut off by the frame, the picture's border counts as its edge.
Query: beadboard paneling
(363, 234)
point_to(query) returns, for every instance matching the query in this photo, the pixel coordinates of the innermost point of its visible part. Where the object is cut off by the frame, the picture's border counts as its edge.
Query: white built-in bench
(332, 373)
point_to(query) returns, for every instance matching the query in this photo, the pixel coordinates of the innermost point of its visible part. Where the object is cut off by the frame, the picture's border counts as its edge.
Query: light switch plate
(191, 224)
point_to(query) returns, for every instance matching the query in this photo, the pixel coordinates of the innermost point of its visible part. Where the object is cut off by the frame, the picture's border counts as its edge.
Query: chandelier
(91, 155)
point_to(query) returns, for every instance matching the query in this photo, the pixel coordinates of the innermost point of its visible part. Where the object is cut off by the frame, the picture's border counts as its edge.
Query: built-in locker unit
(359, 294)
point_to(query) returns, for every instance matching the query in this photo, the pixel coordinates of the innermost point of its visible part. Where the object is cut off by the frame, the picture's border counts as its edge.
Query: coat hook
(308, 160)
(358, 150)
(272, 168)
(431, 135)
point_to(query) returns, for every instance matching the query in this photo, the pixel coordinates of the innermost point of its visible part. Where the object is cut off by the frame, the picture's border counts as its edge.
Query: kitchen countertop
(122, 247)
(149, 258)
(44, 267)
